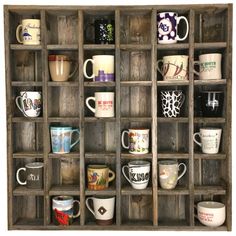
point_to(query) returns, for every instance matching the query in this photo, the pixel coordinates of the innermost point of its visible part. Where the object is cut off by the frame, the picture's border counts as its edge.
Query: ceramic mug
(209, 66)
(29, 103)
(139, 174)
(104, 104)
(168, 173)
(171, 102)
(34, 175)
(103, 209)
(28, 32)
(61, 138)
(60, 67)
(63, 208)
(167, 27)
(210, 139)
(103, 68)
(138, 141)
(211, 213)
(99, 177)
(174, 67)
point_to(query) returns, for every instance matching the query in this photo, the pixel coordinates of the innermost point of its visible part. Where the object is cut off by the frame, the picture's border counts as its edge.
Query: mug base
(138, 153)
(104, 222)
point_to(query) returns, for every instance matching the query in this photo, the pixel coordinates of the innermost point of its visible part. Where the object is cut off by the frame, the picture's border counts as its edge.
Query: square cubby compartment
(135, 27)
(173, 210)
(28, 210)
(62, 27)
(135, 66)
(63, 101)
(176, 138)
(26, 66)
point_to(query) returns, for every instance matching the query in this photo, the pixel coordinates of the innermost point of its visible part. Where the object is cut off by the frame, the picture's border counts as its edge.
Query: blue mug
(61, 139)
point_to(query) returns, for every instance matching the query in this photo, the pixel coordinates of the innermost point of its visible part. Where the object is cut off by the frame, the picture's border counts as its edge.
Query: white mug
(139, 174)
(103, 68)
(104, 104)
(210, 139)
(209, 66)
(174, 67)
(28, 32)
(211, 213)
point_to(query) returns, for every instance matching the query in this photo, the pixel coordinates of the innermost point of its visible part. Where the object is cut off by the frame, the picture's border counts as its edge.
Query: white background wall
(3, 162)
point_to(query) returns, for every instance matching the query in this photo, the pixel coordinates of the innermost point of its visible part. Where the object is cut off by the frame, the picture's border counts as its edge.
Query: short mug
(61, 138)
(210, 139)
(28, 32)
(34, 175)
(63, 210)
(104, 31)
(29, 103)
(168, 173)
(99, 177)
(138, 174)
(138, 140)
(167, 27)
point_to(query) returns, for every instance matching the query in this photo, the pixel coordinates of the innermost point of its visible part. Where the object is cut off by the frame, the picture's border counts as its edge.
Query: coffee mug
(103, 209)
(138, 140)
(34, 175)
(61, 138)
(174, 67)
(60, 67)
(211, 213)
(70, 171)
(210, 139)
(168, 173)
(63, 208)
(103, 68)
(99, 177)
(171, 102)
(139, 173)
(212, 103)
(28, 32)
(209, 66)
(29, 103)
(167, 27)
(104, 104)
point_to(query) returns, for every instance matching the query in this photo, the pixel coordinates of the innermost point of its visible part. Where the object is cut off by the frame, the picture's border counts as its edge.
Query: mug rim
(53, 57)
(31, 19)
(97, 166)
(210, 128)
(168, 162)
(139, 129)
(138, 163)
(104, 93)
(102, 197)
(211, 205)
(176, 56)
(212, 92)
(174, 90)
(210, 54)
(167, 12)
(65, 198)
(62, 127)
(34, 165)
(31, 92)
(103, 56)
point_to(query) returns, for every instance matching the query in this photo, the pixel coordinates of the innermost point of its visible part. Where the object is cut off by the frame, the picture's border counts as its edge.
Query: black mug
(212, 103)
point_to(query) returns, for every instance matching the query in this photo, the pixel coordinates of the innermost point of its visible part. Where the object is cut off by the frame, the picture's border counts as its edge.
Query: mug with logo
(29, 103)
(60, 67)
(99, 177)
(168, 173)
(210, 139)
(167, 27)
(174, 67)
(171, 102)
(61, 138)
(138, 172)
(28, 32)
(103, 68)
(104, 31)
(104, 104)
(34, 175)
(209, 66)
(103, 209)
(63, 210)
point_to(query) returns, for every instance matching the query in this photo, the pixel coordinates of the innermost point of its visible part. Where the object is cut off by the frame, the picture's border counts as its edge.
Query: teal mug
(61, 138)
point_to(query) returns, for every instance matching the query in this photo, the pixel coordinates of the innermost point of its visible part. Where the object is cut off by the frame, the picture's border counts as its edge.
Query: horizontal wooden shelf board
(27, 119)
(27, 83)
(66, 155)
(205, 190)
(136, 156)
(136, 83)
(63, 84)
(62, 46)
(111, 191)
(210, 82)
(209, 120)
(28, 154)
(135, 47)
(220, 156)
(24, 191)
(63, 119)
(99, 119)
(172, 83)
(64, 190)
(99, 84)
(174, 119)
(136, 119)
(99, 46)
(173, 155)
(177, 46)
(25, 47)
(100, 154)
(179, 190)
(128, 190)
(213, 45)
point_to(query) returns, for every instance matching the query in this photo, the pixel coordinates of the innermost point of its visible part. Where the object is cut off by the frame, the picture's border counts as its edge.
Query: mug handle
(18, 37)
(160, 69)
(88, 206)
(78, 213)
(18, 105)
(194, 71)
(84, 69)
(73, 144)
(182, 101)
(122, 139)
(123, 171)
(184, 170)
(178, 20)
(72, 74)
(194, 139)
(113, 175)
(87, 103)
(17, 176)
